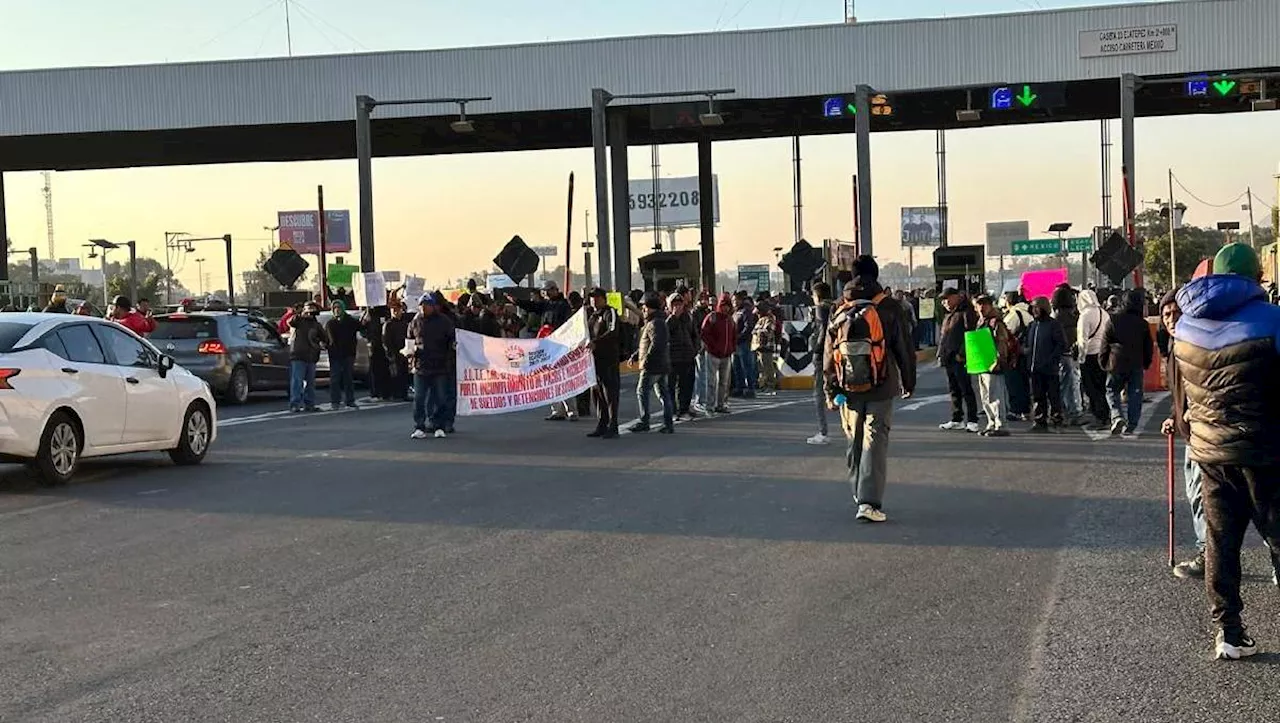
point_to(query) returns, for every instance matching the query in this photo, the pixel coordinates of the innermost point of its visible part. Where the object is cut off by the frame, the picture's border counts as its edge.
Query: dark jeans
(1130, 384)
(379, 373)
(1046, 395)
(745, 374)
(342, 380)
(650, 381)
(1234, 496)
(1093, 380)
(1019, 388)
(302, 384)
(680, 385)
(430, 401)
(964, 403)
(606, 392)
(398, 377)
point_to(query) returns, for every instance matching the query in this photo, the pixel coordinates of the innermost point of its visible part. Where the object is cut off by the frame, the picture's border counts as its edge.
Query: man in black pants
(683, 344)
(606, 349)
(960, 318)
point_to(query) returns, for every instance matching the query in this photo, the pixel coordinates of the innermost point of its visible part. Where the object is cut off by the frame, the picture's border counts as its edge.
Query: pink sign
(1042, 283)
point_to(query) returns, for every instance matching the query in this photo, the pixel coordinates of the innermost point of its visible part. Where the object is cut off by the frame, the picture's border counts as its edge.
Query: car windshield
(185, 327)
(10, 333)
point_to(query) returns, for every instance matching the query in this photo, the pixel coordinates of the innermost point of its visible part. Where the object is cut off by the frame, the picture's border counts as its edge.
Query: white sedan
(74, 386)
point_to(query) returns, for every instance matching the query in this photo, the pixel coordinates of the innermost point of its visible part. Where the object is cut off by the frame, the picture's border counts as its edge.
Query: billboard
(676, 204)
(301, 230)
(753, 278)
(921, 226)
(1002, 234)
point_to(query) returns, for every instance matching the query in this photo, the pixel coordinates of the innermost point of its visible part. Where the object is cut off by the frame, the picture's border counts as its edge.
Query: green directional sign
(1036, 246)
(1224, 87)
(1080, 245)
(1026, 97)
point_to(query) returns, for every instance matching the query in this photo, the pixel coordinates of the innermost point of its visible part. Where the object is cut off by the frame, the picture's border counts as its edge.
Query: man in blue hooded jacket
(1227, 345)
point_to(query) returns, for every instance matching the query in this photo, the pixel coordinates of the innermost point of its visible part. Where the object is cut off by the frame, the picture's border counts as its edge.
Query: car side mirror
(165, 365)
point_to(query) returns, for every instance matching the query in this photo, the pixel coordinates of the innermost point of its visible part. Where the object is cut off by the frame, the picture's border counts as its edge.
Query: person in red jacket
(282, 326)
(720, 340)
(123, 313)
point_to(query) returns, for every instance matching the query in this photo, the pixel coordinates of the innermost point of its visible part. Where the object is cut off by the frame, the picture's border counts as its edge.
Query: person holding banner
(434, 341)
(606, 351)
(553, 311)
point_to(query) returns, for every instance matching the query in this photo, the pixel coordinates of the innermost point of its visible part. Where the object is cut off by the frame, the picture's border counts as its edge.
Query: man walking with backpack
(868, 362)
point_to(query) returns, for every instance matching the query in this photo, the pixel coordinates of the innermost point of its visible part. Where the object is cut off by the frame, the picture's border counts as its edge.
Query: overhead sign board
(1002, 234)
(1111, 42)
(677, 203)
(1036, 246)
(301, 231)
(921, 226)
(1080, 245)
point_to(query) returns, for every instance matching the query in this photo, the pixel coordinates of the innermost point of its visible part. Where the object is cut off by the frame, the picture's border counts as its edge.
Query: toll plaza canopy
(1027, 67)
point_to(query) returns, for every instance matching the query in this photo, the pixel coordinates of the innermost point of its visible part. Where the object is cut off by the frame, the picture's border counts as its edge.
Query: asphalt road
(328, 568)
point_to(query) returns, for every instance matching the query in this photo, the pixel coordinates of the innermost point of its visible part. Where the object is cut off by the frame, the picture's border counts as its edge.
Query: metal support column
(706, 214)
(943, 225)
(797, 199)
(621, 211)
(862, 124)
(364, 171)
(133, 271)
(1106, 172)
(231, 274)
(1128, 87)
(4, 236)
(599, 101)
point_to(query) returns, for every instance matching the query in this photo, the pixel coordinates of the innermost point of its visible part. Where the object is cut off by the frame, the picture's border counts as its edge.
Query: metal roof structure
(1185, 36)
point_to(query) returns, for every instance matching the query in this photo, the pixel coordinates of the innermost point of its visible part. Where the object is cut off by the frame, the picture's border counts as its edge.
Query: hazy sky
(447, 215)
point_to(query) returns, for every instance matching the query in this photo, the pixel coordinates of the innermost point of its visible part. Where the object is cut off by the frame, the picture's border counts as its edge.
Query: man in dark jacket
(745, 373)
(960, 318)
(1227, 344)
(379, 369)
(394, 332)
(606, 348)
(341, 331)
(1068, 317)
(654, 358)
(552, 311)
(1127, 352)
(867, 416)
(818, 321)
(434, 341)
(306, 340)
(1045, 346)
(684, 344)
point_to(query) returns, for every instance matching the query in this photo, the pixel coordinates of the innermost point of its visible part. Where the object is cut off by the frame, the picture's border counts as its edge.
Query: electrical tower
(48, 210)
(848, 12)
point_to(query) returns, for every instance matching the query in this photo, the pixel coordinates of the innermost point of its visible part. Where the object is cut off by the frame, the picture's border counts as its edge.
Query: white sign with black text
(677, 202)
(1110, 42)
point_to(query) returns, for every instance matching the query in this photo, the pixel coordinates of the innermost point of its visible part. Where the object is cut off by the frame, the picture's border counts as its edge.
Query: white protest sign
(414, 286)
(496, 376)
(369, 289)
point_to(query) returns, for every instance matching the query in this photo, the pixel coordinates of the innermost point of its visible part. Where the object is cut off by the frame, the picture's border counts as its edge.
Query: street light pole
(200, 275)
(133, 270)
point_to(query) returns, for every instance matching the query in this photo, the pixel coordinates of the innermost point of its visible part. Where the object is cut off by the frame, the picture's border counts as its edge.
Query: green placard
(340, 274)
(1080, 245)
(1036, 246)
(979, 351)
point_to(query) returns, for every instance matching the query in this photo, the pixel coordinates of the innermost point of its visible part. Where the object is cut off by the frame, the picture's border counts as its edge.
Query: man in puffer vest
(1227, 346)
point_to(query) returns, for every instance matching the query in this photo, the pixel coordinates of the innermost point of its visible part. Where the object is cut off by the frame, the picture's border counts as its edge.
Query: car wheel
(59, 454)
(193, 441)
(238, 388)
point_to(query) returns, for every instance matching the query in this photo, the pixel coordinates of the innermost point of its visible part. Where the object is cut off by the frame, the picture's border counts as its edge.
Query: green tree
(1190, 245)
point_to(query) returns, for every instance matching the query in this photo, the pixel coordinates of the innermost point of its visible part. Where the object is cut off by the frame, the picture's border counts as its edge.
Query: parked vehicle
(74, 387)
(234, 353)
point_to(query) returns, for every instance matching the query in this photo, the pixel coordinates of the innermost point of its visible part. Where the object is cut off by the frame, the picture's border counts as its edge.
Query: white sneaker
(951, 425)
(1240, 645)
(867, 513)
(439, 434)
(418, 434)
(818, 439)
(972, 428)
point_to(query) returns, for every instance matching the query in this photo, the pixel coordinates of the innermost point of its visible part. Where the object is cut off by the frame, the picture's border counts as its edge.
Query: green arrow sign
(1224, 86)
(853, 109)
(1035, 247)
(1080, 245)
(1026, 97)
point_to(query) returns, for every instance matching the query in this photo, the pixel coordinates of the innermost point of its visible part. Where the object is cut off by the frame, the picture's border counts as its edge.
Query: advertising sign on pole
(753, 278)
(1002, 234)
(678, 202)
(921, 226)
(301, 230)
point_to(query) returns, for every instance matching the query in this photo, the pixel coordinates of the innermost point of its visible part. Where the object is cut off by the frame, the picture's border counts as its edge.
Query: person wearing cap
(1127, 352)
(719, 339)
(992, 393)
(341, 332)
(684, 345)
(960, 319)
(123, 313)
(431, 361)
(552, 311)
(306, 340)
(606, 352)
(58, 302)
(654, 359)
(1227, 345)
(866, 416)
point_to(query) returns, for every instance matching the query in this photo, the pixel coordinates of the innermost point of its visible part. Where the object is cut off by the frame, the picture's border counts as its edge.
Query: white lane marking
(917, 402)
(153, 492)
(1148, 410)
(268, 416)
(37, 508)
(736, 410)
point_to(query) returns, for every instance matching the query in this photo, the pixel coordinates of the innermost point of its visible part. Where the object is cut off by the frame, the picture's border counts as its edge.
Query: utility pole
(288, 29)
(48, 210)
(1173, 257)
(1249, 206)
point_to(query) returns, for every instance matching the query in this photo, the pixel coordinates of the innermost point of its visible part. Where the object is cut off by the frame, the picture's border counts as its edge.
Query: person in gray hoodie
(654, 358)
(1091, 328)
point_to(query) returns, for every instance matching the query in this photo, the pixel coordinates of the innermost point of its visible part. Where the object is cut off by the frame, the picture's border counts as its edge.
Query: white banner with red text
(497, 376)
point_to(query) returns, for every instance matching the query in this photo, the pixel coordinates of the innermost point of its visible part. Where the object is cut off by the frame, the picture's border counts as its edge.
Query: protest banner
(497, 376)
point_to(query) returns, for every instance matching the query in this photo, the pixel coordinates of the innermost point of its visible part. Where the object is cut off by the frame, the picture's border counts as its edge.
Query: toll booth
(960, 267)
(663, 271)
